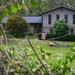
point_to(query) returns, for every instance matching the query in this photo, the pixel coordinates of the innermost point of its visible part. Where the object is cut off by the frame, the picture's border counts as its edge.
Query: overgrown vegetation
(16, 26)
(22, 60)
(18, 60)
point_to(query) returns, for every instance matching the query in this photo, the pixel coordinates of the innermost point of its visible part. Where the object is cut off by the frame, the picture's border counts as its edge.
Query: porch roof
(33, 19)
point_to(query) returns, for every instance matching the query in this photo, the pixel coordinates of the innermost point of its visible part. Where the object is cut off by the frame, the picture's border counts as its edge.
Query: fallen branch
(37, 56)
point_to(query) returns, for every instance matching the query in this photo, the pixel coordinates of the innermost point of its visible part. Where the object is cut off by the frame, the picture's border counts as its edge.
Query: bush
(16, 26)
(61, 27)
(48, 35)
(30, 34)
(70, 37)
(39, 35)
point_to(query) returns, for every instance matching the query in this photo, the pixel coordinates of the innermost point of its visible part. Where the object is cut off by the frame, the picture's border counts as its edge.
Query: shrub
(70, 37)
(30, 34)
(48, 35)
(61, 27)
(16, 26)
(39, 35)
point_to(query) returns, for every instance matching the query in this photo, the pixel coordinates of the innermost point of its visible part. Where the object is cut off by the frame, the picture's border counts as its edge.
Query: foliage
(19, 60)
(61, 27)
(62, 67)
(30, 34)
(14, 61)
(39, 35)
(70, 37)
(16, 26)
(48, 35)
(31, 7)
(9, 7)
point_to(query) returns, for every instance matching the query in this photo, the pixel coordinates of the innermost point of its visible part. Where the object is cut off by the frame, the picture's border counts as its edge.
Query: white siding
(61, 15)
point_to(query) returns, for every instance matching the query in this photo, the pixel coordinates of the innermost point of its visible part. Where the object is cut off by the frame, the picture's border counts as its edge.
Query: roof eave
(72, 9)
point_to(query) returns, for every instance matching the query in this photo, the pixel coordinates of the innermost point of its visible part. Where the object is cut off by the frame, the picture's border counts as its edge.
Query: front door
(37, 28)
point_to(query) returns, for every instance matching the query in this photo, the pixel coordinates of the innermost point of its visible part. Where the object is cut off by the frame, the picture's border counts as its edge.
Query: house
(58, 13)
(45, 22)
(35, 23)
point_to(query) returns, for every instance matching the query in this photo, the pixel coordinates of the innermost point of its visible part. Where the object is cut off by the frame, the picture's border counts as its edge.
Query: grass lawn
(55, 52)
(16, 49)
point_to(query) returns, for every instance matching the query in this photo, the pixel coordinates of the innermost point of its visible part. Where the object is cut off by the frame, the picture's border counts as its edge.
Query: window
(51, 30)
(72, 31)
(73, 19)
(57, 17)
(66, 17)
(49, 19)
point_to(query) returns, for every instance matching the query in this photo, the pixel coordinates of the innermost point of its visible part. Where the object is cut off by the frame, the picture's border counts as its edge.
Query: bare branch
(37, 56)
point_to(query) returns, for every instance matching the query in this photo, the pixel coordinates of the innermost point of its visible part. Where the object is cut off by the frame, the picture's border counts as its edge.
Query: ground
(60, 49)
(22, 55)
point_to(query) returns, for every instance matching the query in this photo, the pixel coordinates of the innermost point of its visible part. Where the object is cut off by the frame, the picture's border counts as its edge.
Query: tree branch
(37, 56)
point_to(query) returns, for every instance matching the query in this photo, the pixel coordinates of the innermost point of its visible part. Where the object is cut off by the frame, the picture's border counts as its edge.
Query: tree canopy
(30, 7)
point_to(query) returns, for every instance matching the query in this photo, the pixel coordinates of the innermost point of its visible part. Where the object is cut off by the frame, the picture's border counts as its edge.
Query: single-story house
(35, 23)
(45, 22)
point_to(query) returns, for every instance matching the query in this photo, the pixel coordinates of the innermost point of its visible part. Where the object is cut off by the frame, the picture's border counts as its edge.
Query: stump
(51, 44)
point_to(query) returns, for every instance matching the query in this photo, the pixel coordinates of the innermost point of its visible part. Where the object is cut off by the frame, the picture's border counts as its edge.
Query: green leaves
(34, 3)
(19, 7)
(24, 5)
(5, 12)
(13, 8)
(22, 1)
(61, 27)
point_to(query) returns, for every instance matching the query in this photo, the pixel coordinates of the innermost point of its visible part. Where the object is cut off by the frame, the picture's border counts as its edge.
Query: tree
(61, 27)
(16, 26)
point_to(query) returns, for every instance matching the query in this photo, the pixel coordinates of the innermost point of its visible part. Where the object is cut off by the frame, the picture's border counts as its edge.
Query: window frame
(66, 18)
(72, 31)
(51, 30)
(57, 17)
(73, 18)
(49, 19)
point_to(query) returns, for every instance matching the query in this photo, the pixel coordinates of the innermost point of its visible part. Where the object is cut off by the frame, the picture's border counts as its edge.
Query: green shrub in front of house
(30, 34)
(70, 37)
(49, 36)
(16, 26)
(61, 27)
(39, 35)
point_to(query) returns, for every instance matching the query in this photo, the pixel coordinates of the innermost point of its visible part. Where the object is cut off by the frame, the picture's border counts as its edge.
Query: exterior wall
(47, 29)
(61, 14)
(73, 29)
(31, 27)
(35, 28)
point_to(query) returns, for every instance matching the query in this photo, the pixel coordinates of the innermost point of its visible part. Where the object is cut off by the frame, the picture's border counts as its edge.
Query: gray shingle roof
(4, 20)
(35, 19)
